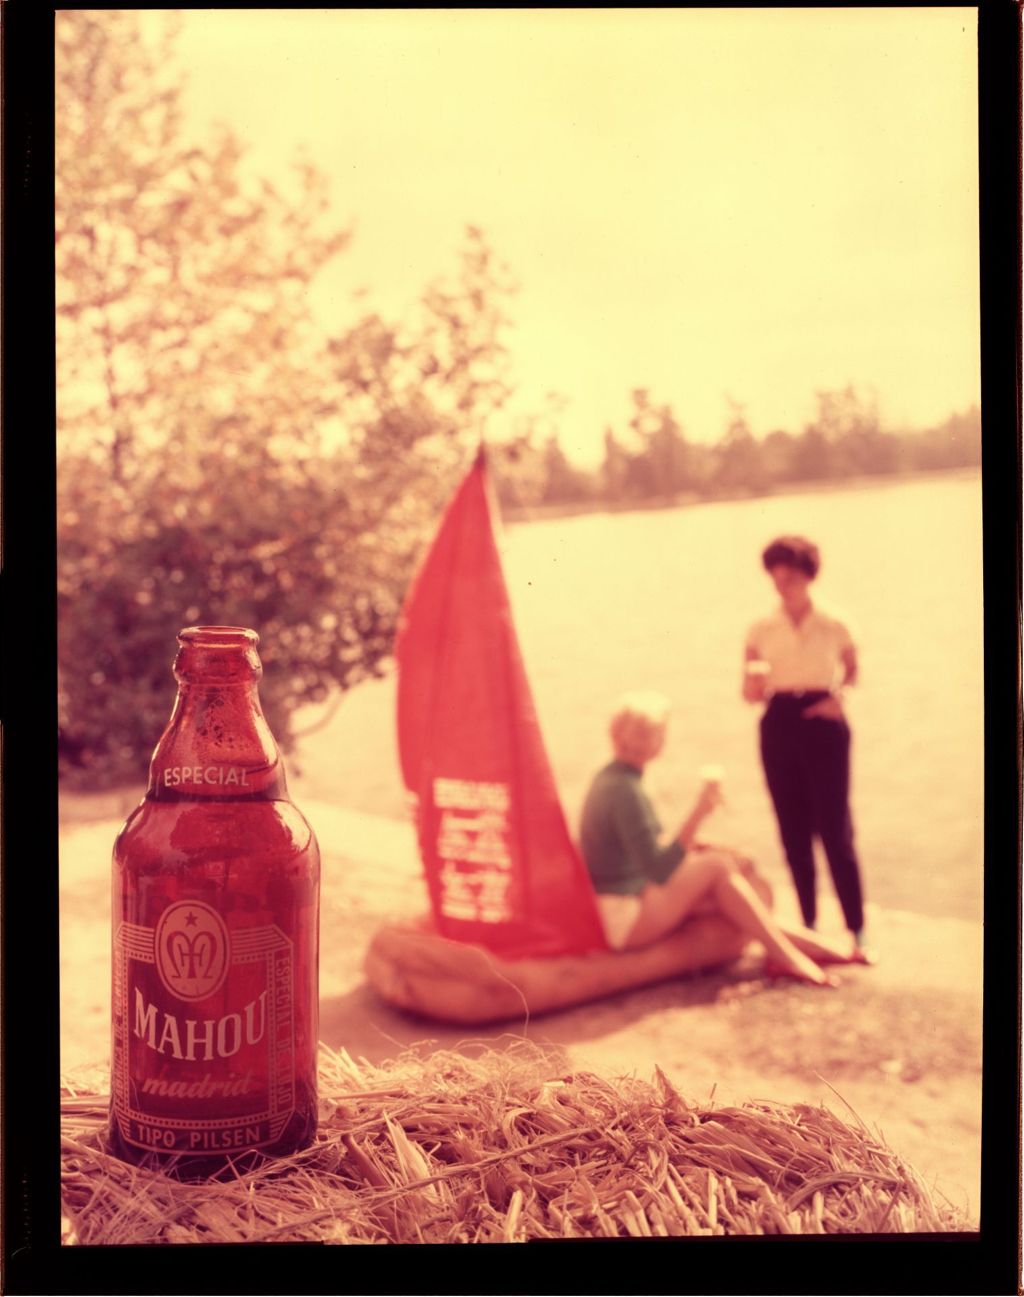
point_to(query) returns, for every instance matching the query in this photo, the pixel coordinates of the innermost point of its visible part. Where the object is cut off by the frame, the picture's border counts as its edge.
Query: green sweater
(619, 834)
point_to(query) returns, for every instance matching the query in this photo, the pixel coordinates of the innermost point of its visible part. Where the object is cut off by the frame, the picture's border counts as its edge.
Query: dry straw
(482, 1145)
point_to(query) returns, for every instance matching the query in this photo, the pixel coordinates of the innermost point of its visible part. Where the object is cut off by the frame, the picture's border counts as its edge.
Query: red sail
(501, 868)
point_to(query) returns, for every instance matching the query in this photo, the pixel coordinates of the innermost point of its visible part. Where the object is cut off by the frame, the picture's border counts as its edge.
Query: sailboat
(513, 924)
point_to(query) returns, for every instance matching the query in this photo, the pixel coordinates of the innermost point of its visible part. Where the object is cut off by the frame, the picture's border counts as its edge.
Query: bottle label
(203, 1033)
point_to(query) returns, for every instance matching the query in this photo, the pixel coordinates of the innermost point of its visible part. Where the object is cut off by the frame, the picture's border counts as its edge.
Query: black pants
(807, 766)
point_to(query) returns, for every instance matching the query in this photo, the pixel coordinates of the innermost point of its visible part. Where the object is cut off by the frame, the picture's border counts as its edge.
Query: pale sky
(709, 203)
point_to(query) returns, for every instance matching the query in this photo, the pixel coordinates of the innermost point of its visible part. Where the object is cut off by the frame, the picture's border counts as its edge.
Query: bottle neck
(217, 746)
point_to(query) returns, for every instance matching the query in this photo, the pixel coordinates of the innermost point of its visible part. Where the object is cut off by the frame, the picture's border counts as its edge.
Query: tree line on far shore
(651, 460)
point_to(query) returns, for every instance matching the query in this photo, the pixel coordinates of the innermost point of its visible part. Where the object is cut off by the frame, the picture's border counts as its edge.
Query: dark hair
(793, 551)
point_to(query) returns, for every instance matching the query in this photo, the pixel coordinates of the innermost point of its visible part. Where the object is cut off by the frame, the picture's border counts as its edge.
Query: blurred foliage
(738, 464)
(652, 461)
(220, 460)
(530, 468)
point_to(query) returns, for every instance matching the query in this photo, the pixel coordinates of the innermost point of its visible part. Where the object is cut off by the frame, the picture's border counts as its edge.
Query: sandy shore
(899, 1044)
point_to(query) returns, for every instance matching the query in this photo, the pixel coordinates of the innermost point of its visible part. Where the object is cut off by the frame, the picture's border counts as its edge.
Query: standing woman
(798, 659)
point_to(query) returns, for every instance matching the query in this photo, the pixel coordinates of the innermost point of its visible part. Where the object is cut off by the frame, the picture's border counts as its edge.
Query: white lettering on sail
(471, 794)
(480, 839)
(474, 848)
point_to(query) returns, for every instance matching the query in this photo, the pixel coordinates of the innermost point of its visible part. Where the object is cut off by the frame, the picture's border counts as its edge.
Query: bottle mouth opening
(214, 637)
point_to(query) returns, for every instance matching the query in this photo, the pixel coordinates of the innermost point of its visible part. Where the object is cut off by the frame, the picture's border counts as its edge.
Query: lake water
(661, 599)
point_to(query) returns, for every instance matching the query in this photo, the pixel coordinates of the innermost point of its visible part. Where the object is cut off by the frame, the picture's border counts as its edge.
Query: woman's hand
(829, 709)
(710, 797)
(755, 677)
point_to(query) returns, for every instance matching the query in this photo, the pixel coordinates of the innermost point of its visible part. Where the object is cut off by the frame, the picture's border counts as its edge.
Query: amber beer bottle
(215, 930)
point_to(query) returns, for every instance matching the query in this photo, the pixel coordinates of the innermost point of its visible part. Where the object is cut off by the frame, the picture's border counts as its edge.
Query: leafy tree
(849, 424)
(614, 472)
(518, 470)
(813, 456)
(964, 433)
(661, 462)
(220, 460)
(701, 465)
(170, 270)
(739, 455)
(955, 443)
(564, 483)
(777, 452)
(531, 468)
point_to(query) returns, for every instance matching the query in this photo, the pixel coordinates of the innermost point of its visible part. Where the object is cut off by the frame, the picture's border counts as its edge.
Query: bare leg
(817, 947)
(810, 943)
(760, 884)
(748, 869)
(688, 891)
(716, 876)
(738, 901)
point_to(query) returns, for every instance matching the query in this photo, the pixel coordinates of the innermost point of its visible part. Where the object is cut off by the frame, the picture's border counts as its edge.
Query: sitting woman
(645, 889)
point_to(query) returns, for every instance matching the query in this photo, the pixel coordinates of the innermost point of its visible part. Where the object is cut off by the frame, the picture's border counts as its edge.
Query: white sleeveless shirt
(806, 656)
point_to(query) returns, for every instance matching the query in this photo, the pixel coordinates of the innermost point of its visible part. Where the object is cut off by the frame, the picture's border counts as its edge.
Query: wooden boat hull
(413, 968)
